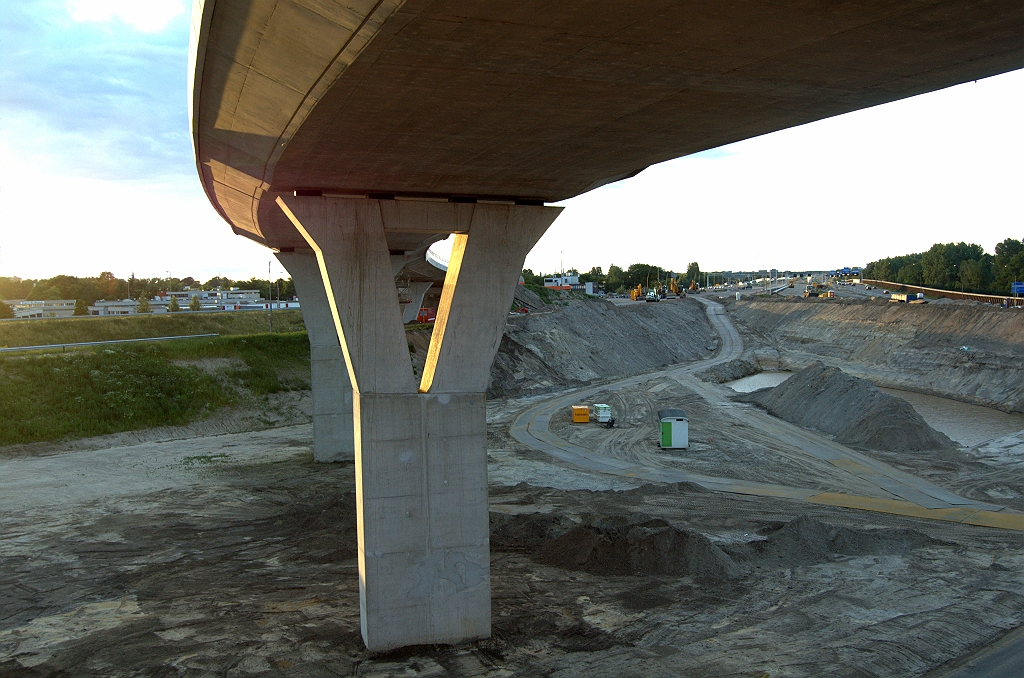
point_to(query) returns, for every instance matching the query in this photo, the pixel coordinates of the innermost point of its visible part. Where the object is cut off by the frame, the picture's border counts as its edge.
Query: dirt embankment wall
(970, 352)
(573, 345)
(592, 340)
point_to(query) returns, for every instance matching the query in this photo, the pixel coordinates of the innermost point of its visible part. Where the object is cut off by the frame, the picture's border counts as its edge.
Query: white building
(219, 300)
(49, 308)
(121, 307)
(562, 282)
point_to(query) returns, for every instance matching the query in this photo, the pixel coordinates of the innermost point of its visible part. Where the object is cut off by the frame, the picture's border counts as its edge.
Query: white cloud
(149, 16)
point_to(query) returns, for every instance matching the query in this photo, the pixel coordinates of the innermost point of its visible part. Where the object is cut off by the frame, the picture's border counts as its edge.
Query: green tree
(44, 292)
(615, 280)
(15, 288)
(81, 307)
(595, 275)
(909, 275)
(194, 304)
(972, 275)
(144, 306)
(937, 268)
(644, 274)
(173, 307)
(1008, 265)
(693, 274)
(6, 311)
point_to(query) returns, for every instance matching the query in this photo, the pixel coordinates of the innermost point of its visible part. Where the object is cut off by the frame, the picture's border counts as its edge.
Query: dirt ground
(234, 554)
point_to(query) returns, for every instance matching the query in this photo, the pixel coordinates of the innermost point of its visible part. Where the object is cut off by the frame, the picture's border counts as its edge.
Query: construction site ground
(235, 554)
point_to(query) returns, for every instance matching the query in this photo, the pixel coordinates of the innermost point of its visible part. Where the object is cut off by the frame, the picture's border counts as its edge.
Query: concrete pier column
(332, 392)
(417, 290)
(421, 450)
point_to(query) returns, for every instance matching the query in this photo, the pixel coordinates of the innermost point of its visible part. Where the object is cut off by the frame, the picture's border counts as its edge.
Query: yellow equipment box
(580, 414)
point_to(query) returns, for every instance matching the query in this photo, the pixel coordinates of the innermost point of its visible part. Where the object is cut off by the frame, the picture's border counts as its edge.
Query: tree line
(956, 267)
(621, 280)
(87, 291)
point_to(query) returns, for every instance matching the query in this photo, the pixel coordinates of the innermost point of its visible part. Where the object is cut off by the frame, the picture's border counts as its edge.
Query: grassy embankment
(72, 330)
(96, 391)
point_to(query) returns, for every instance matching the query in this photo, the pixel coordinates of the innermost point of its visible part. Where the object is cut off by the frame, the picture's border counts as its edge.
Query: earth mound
(729, 371)
(638, 546)
(806, 541)
(853, 410)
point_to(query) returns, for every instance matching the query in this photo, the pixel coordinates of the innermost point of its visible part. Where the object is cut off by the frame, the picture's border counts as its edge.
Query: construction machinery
(816, 290)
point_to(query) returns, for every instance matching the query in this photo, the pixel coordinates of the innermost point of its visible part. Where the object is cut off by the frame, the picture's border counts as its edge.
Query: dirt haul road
(889, 490)
(235, 555)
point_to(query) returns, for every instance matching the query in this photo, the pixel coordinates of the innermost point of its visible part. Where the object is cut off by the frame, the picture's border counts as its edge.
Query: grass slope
(95, 392)
(39, 332)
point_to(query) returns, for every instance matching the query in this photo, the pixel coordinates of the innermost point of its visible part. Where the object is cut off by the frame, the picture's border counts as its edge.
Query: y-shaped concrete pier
(332, 393)
(420, 449)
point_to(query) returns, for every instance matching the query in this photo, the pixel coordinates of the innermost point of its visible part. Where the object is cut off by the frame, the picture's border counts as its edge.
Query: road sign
(1017, 288)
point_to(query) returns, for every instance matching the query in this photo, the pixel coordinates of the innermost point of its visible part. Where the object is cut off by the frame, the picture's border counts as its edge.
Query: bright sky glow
(97, 170)
(150, 16)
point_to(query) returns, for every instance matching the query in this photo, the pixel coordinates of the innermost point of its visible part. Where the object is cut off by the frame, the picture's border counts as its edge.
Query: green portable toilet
(675, 429)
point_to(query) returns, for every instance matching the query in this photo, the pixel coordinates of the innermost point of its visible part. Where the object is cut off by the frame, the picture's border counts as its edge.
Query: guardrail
(64, 347)
(1000, 299)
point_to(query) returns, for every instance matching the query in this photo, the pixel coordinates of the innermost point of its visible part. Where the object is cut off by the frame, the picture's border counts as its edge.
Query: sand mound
(729, 371)
(806, 541)
(525, 532)
(618, 546)
(852, 409)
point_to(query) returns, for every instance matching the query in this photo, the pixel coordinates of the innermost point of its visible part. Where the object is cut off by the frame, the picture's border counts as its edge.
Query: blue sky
(96, 171)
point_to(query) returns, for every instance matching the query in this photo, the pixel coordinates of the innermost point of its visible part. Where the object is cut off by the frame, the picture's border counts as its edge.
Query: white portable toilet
(675, 429)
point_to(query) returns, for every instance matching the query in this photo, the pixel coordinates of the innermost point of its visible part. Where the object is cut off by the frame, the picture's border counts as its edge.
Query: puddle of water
(968, 425)
(756, 381)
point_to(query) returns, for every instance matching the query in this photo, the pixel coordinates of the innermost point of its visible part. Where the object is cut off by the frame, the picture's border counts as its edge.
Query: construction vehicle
(693, 287)
(673, 285)
(637, 294)
(817, 290)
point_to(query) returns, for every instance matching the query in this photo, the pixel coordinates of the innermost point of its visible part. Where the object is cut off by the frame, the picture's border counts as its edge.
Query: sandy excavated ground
(963, 350)
(234, 555)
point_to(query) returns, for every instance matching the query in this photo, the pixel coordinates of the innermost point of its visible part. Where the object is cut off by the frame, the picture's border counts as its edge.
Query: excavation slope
(853, 410)
(592, 340)
(971, 352)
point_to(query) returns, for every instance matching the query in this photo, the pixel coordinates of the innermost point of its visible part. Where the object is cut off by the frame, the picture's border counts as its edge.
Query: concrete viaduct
(349, 135)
